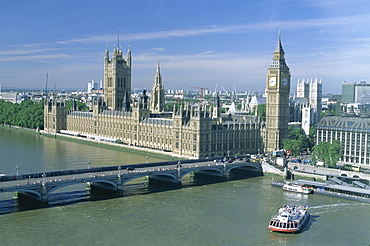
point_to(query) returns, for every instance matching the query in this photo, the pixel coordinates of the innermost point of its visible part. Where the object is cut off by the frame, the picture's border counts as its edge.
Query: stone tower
(277, 103)
(117, 80)
(157, 95)
(315, 99)
(302, 89)
(54, 116)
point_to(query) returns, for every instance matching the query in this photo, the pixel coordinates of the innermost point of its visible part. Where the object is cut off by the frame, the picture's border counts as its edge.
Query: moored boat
(289, 186)
(291, 218)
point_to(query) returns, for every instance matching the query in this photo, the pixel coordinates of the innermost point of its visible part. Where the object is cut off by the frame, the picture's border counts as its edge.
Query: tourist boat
(289, 186)
(291, 218)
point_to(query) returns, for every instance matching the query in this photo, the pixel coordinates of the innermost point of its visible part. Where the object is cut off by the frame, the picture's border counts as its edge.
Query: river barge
(290, 219)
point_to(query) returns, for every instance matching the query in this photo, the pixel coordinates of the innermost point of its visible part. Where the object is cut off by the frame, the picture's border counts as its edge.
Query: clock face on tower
(272, 81)
(285, 82)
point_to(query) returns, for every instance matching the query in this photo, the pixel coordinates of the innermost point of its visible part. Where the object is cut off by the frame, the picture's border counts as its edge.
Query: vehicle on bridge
(350, 167)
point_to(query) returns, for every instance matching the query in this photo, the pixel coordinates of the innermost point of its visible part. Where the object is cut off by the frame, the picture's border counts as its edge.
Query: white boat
(289, 186)
(291, 218)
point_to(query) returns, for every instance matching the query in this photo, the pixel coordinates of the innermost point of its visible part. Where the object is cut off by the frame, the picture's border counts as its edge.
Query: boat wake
(321, 209)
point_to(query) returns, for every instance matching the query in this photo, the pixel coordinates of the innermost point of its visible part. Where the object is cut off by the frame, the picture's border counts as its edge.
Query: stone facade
(307, 106)
(277, 103)
(188, 131)
(117, 80)
(354, 133)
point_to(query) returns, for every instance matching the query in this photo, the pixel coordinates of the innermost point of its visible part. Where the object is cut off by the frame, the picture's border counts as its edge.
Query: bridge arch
(246, 168)
(109, 182)
(31, 193)
(186, 173)
(133, 178)
(170, 175)
(217, 170)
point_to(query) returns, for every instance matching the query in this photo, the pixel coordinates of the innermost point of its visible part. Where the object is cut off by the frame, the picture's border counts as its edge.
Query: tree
(26, 114)
(261, 111)
(297, 141)
(329, 153)
(80, 106)
(169, 106)
(294, 146)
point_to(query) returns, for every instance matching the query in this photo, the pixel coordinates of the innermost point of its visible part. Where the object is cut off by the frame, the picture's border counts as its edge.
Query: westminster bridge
(39, 186)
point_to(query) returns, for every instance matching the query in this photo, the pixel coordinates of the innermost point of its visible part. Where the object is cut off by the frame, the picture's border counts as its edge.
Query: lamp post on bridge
(43, 179)
(17, 169)
(119, 171)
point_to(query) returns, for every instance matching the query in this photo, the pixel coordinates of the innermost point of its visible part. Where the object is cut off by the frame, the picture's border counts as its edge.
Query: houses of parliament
(188, 131)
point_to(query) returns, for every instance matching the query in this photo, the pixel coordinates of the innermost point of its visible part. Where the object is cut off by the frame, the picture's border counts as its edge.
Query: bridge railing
(92, 170)
(101, 169)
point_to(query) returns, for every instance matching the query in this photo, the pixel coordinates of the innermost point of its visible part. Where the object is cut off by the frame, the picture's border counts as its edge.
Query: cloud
(36, 57)
(297, 24)
(16, 52)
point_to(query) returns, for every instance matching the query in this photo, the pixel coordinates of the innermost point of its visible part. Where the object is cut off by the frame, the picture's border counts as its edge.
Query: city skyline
(223, 44)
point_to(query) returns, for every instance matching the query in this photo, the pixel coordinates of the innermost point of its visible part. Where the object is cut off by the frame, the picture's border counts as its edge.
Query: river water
(228, 213)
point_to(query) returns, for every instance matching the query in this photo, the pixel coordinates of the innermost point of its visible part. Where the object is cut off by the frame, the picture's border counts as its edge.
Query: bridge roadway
(114, 180)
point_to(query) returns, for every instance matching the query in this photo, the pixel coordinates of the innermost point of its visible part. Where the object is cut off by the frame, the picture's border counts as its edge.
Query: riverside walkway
(40, 185)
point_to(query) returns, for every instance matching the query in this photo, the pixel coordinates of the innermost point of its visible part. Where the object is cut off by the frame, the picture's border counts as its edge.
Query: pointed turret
(158, 72)
(129, 56)
(279, 48)
(279, 59)
(157, 95)
(106, 53)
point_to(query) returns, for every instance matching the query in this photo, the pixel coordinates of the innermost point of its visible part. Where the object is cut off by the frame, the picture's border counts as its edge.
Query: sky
(214, 44)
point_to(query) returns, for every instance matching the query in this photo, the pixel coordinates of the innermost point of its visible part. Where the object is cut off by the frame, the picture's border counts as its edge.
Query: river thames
(227, 213)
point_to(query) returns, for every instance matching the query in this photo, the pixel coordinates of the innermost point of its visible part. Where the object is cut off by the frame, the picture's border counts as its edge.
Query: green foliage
(294, 146)
(26, 114)
(312, 133)
(80, 106)
(297, 141)
(261, 111)
(329, 153)
(169, 106)
(334, 112)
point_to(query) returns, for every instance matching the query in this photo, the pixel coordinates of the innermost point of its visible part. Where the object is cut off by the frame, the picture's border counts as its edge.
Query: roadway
(91, 176)
(319, 170)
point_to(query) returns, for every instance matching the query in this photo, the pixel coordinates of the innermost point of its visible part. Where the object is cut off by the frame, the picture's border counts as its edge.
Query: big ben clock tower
(277, 103)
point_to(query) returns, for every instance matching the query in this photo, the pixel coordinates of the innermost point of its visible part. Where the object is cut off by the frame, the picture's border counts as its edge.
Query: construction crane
(227, 93)
(179, 96)
(201, 91)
